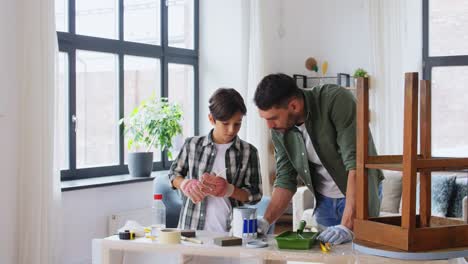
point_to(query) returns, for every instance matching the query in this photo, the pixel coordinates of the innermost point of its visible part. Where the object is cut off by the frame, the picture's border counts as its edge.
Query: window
(113, 54)
(445, 57)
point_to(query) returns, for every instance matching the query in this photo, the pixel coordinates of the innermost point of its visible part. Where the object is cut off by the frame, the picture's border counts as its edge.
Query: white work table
(188, 252)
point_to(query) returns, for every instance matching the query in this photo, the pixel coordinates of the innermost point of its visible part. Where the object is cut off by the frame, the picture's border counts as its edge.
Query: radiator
(117, 220)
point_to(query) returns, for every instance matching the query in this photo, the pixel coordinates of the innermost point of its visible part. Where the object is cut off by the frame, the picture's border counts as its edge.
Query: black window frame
(430, 62)
(70, 42)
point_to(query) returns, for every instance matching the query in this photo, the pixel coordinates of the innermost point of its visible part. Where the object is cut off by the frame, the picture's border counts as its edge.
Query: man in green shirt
(314, 134)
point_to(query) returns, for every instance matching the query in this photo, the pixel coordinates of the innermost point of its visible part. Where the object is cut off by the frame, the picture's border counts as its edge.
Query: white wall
(222, 50)
(8, 131)
(85, 215)
(333, 30)
(336, 31)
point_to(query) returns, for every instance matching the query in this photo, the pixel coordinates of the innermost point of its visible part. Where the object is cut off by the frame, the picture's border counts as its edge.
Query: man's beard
(293, 119)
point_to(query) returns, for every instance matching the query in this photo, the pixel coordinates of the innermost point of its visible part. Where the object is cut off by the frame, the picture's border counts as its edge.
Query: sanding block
(188, 233)
(227, 241)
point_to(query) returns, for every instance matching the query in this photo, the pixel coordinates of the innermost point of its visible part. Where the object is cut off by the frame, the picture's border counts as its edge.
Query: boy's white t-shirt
(218, 209)
(323, 183)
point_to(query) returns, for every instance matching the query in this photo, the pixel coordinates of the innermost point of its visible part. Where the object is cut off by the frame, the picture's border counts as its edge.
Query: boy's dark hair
(225, 102)
(275, 90)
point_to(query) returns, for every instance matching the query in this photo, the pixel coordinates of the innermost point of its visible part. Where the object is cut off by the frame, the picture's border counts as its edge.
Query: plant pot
(140, 164)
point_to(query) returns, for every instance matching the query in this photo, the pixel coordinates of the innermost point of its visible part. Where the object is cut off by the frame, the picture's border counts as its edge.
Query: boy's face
(225, 131)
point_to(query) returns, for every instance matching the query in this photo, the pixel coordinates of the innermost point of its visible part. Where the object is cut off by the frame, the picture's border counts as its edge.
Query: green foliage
(360, 72)
(153, 123)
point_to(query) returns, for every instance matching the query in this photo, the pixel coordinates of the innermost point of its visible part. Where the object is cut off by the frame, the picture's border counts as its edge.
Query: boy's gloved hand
(336, 235)
(217, 186)
(193, 189)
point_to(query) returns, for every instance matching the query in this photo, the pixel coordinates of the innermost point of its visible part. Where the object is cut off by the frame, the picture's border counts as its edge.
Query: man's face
(226, 131)
(279, 118)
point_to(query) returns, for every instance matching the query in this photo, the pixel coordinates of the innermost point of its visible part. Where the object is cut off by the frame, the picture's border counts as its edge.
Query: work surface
(187, 252)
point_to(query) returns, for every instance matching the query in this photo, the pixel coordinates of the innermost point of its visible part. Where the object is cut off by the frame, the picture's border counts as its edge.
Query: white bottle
(158, 215)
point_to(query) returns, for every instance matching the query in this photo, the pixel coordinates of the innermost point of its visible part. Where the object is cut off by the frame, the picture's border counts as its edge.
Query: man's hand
(262, 226)
(336, 235)
(217, 186)
(193, 189)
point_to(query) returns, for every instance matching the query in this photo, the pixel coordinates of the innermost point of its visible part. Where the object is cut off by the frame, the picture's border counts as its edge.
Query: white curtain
(395, 41)
(39, 180)
(257, 133)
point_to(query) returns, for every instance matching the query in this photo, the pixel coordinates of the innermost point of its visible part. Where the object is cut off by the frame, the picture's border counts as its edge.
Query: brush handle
(193, 240)
(302, 225)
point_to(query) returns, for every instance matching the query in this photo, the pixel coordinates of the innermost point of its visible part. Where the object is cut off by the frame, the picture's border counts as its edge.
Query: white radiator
(117, 220)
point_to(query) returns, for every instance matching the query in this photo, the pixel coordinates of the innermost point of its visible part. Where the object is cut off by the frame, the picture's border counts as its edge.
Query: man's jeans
(330, 210)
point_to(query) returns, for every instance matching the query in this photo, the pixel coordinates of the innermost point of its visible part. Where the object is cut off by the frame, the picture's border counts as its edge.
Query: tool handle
(193, 240)
(302, 225)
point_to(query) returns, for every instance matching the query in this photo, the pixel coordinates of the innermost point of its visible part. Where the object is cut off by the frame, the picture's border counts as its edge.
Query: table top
(339, 254)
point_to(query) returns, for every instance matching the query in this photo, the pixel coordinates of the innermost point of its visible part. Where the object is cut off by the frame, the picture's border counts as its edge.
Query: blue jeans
(330, 210)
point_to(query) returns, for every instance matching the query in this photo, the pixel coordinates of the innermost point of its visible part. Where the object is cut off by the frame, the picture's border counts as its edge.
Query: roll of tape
(169, 236)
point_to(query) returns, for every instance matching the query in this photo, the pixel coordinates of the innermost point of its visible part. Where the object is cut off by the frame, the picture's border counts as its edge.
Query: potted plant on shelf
(359, 72)
(154, 123)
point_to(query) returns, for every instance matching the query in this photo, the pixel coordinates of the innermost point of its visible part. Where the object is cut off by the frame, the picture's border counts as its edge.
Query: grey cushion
(460, 191)
(441, 191)
(391, 192)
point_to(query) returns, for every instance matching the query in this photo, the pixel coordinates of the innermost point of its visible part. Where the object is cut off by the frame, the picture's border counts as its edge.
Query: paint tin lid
(256, 244)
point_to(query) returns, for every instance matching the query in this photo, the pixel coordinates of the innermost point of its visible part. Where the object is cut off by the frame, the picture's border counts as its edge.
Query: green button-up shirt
(331, 124)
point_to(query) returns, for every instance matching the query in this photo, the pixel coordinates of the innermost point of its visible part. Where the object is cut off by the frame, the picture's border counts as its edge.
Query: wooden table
(184, 252)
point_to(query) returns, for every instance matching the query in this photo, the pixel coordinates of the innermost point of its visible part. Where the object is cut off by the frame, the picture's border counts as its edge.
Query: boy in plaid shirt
(218, 171)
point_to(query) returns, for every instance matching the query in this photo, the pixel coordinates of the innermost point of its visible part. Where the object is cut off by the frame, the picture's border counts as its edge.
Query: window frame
(430, 62)
(69, 42)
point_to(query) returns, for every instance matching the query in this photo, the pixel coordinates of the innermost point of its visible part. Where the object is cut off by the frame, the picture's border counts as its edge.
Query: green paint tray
(291, 240)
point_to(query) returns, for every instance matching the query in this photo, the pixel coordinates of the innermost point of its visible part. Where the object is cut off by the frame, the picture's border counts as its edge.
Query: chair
(171, 199)
(408, 232)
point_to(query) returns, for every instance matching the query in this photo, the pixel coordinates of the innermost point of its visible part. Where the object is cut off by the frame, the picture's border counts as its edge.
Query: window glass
(448, 27)
(181, 23)
(181, 91)
(142, 80)
(142, 21)
(449, 111)
(96, 109)
(62, 88)
(97, 18)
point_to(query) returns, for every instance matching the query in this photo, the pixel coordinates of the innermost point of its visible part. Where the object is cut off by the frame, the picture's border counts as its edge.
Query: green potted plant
(359, 72)
(154, 123)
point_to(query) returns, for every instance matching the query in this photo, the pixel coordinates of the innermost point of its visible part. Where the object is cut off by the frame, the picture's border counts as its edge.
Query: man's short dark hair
(275, 90)
(225, 102)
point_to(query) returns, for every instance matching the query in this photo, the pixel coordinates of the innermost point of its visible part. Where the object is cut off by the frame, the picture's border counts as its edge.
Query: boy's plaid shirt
(197, 157)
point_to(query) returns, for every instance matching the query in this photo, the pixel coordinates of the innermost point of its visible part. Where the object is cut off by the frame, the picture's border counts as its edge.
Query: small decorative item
(311, 64)
(154, 123)
(324, 68)
(359, 72)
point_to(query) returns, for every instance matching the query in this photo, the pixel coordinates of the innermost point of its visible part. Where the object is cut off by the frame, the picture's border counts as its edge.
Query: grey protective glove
(336, 235)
